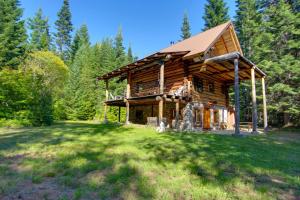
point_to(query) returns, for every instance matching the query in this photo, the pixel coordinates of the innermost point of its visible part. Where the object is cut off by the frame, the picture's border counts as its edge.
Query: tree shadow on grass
(221, 160)
(90, 170)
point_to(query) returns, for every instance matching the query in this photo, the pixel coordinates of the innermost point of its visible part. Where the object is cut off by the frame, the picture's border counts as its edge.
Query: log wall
(146, 82)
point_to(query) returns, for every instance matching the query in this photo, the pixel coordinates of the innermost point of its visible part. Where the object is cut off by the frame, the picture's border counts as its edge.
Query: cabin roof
(192, 47)
(199, 43)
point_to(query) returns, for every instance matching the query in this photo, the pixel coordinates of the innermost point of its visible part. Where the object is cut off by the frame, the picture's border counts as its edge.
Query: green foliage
(216, 13)
(40, 38)
(47, 74)
(119, 49)
(64, 28)
(81, 38)
(12, 33)
(185, 29)
(130, 57)
(14, 95)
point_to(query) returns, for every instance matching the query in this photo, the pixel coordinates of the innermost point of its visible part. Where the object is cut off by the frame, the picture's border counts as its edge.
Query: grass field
(82, 160)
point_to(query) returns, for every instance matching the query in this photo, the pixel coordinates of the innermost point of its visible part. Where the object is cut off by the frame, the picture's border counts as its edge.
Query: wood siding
(146, 82)
(218, 97)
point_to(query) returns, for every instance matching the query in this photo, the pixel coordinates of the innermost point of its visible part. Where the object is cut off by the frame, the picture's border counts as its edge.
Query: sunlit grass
(92, 161)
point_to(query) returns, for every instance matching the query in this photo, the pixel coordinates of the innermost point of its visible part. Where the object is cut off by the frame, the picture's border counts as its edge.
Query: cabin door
(206, 119)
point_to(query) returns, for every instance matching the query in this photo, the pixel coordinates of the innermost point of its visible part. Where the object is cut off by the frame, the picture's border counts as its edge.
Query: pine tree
(185, 29)
(278, 54)
(64, 29)
(130, 57)
(81, 38)
(40, 38)
(12, 33)
(216, 12)
(119, 49)
(247, 25)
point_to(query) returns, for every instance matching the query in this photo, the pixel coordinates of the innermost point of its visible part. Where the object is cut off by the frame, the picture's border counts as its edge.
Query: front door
(206, 118)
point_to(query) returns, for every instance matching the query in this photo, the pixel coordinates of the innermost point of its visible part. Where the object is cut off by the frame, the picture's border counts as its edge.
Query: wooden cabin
(185, 86)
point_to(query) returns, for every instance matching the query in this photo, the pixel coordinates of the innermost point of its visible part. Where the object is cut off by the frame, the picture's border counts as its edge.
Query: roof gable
(203, 42)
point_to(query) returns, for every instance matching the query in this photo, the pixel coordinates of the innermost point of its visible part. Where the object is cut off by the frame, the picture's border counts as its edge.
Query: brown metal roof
(200, 42)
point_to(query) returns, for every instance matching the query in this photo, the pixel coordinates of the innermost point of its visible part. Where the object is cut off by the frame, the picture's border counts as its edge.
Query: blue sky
(148, 25)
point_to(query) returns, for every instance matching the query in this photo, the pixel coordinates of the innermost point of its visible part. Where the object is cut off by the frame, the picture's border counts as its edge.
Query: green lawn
(82, 160)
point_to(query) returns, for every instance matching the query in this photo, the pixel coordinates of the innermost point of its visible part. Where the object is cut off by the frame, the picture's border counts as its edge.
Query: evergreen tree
(185, 29)
(12, 33)
(40, 38)
(119, 49)
(216, 12)
(247, 25)
(130, 57)
(247, 21)
(81, 38)
(278, 54)
(64, 29)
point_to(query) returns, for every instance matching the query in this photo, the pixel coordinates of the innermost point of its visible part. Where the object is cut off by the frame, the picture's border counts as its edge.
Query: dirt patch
(48, 189)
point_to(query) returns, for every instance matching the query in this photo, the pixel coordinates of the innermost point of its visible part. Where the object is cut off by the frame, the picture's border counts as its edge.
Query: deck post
(264, 104)
(128, 93)
(127, 111)
(161, 78)
(254, 107)
(211, 110)
(161, 91)
(177, 115)
(106, 99)
(236, 97)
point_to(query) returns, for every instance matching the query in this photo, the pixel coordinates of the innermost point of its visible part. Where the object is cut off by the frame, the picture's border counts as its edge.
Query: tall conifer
(119, 49)
(81, 38)
(12, 33)
(185, 29)
(64, 28)
(216, 12)
(40, 38)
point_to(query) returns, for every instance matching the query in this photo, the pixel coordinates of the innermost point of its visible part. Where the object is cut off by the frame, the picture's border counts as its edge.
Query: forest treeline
(47, 76)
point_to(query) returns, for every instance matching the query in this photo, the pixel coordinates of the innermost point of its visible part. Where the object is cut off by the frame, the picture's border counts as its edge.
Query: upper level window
(139, 87)
(198, 84)
(211, 86)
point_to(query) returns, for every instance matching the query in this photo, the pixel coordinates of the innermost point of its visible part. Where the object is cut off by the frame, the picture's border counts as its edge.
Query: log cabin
(185, 86)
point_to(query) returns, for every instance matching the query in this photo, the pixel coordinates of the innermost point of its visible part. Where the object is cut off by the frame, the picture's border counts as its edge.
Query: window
(139, 87)
(198, 84)
(211, 87)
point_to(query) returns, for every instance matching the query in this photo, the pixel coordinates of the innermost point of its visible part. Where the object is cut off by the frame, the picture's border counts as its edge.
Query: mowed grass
(82, 160)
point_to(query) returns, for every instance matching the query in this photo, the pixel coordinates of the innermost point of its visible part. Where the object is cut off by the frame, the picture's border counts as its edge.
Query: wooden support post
(177, 115)
(128, 89)
(106, 99)
(236, 96)
(254, 107)
(127, 112)
(211, 118)
(264, 104)
(161, 78)
(160, 111)
(119, 116)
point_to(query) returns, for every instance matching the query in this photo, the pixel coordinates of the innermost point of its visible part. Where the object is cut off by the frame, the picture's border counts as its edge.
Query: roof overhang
(232, 56)
(143, 63)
